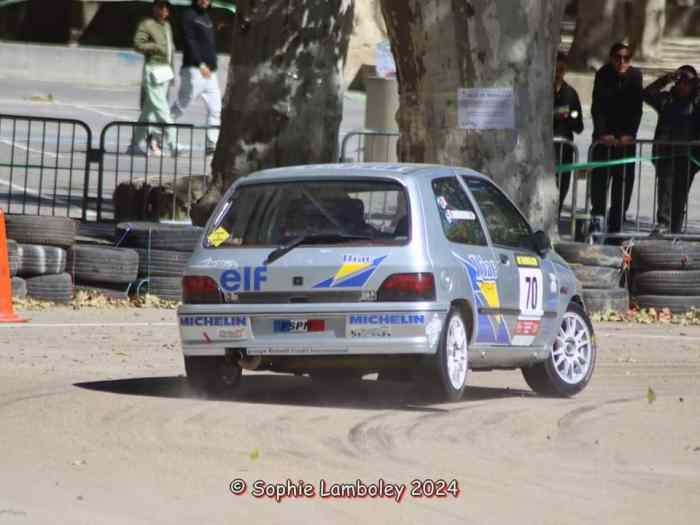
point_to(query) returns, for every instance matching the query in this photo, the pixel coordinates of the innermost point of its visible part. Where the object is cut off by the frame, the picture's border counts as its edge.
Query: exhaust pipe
(248, 362)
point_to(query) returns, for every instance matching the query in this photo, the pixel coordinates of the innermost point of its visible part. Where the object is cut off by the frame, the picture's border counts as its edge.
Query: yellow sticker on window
(218, 237)
(527, 260)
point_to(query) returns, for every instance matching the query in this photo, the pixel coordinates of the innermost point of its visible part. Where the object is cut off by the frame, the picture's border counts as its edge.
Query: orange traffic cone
(7, 313)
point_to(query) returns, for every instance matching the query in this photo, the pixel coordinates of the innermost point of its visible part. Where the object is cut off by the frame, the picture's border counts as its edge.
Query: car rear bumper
(346, 329)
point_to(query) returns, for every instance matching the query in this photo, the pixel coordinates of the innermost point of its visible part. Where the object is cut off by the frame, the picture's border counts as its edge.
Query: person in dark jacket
(679, 121)
(199, 65)
(617, 112)
(568, 119)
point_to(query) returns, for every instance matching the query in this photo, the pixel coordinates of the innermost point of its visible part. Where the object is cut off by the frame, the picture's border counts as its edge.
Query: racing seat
(350, 213)
(302, 218)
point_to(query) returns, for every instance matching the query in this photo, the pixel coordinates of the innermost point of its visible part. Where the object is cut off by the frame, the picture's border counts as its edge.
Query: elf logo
(244, 279)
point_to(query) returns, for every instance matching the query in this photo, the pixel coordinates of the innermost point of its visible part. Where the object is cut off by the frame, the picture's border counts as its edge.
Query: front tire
(570, 365)
(212, 374)
(448, 370)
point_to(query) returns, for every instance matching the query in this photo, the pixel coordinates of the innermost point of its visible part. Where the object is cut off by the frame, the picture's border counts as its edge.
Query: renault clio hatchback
(409, 271)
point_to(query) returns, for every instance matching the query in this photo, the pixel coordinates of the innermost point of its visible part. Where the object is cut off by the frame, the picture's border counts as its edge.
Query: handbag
(161, 73)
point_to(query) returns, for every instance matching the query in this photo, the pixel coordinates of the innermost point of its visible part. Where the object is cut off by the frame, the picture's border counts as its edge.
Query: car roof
(362, 169)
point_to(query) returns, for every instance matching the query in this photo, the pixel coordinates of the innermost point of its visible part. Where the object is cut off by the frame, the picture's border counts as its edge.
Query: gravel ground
(100, 427)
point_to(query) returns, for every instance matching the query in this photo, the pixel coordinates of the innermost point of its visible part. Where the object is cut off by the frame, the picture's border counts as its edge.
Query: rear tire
(212, 374)
(447, 373)
(569, 368)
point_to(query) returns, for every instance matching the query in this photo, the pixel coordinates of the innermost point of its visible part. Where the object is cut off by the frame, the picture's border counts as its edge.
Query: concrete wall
(80, 65)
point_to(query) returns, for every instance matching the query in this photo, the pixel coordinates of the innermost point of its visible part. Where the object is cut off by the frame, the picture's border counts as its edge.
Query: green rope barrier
(604, 164)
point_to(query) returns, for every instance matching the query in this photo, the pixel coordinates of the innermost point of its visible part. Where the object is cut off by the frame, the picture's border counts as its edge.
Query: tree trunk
(441, 46)
(647, 27)
(595, 27)
(601, 23)
(283, 102)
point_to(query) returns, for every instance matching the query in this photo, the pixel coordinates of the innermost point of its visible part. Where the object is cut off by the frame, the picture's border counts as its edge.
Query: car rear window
(376, 211)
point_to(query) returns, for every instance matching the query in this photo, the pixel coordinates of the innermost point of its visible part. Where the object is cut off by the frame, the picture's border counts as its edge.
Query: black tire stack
(163, 250)
(38, 256)
(598, 269)
(666, 274)
(103, 268)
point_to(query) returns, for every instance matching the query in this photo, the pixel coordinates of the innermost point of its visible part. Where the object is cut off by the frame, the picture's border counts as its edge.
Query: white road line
(80, 325)
(118, 116)
(19, 188)
(25, 148)
(89, 213)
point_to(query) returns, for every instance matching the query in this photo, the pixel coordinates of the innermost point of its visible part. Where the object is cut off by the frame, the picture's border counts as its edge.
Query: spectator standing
(154, 40)
(617, 112)
(679, 121)
(199, 65)
(568, 119)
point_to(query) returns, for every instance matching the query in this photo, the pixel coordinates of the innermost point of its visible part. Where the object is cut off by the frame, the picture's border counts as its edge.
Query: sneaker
(136, 150)
(154, 147)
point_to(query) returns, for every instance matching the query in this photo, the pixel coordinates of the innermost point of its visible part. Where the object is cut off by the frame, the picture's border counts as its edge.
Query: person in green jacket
(154, 40)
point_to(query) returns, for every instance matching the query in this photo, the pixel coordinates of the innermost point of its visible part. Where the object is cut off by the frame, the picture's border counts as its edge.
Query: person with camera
(678, 121)
(617, 112)
(568, 119)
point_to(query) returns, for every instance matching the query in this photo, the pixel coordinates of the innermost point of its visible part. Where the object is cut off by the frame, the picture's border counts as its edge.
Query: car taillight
(198, 289)
(407, 287)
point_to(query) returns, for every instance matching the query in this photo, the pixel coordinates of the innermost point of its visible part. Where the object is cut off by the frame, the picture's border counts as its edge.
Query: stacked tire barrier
(38, 255)
(163, 252)
(666, 274)
(599, 270)
(46, 263)
(103, 268)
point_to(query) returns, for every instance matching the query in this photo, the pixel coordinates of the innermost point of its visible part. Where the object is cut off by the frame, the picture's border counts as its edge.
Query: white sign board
(486, 108)
(386, 67)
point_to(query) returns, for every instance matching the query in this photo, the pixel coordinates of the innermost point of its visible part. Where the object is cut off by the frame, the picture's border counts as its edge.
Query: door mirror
(541, 242)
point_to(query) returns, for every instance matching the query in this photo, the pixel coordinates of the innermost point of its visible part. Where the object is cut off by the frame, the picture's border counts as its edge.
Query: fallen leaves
(651, 395)
(85, 299)
(650, 316)
(42, 98)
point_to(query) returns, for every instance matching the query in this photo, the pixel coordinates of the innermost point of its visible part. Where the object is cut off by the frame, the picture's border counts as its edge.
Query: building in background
(95, 22)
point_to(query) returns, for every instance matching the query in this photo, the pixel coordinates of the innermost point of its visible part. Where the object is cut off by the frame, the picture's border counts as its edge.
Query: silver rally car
(411, 271)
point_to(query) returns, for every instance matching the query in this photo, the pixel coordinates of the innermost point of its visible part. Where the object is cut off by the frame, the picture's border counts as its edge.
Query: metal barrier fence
(566, 152)
(644, 186)
(171, 179)
(370, 145)
(45, 166)
(48, 166)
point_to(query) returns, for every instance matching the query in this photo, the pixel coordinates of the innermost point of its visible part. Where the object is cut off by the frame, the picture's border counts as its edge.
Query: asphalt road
(38, 160)
(100, 427)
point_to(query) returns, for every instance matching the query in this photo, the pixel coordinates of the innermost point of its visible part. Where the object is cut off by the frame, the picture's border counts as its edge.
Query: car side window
(506, 225)
(459, 220)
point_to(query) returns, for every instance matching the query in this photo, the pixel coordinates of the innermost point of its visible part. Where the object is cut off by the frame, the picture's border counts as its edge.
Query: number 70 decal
(531, 292)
